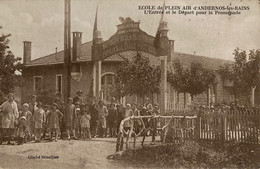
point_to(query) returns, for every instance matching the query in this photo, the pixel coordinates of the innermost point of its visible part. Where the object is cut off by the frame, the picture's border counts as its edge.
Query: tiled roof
(57, 58)
(85, 55)
(207, 62)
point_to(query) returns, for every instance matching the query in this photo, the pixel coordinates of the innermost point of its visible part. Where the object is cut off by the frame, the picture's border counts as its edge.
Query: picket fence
(186, 125)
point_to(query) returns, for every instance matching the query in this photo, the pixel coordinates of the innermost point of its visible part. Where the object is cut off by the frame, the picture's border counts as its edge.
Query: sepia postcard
(129, 84)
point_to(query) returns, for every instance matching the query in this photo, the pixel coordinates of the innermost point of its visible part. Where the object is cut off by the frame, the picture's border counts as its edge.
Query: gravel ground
(71, 154)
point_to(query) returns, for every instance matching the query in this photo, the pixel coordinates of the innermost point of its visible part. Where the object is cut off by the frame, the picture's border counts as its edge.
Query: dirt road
(66, 154)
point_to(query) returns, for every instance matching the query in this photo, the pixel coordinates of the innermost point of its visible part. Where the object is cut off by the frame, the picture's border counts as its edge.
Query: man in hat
(78, 98)
(9, 112)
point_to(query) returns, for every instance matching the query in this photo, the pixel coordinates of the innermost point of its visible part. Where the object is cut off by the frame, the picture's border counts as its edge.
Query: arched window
(107, 85)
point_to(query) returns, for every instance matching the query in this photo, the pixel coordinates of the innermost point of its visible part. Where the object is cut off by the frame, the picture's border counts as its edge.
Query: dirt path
(72, 154)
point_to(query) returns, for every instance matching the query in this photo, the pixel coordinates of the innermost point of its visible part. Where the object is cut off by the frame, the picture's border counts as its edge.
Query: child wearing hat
(38, 119)
(21, 130)
(29, 121)
(55, 115)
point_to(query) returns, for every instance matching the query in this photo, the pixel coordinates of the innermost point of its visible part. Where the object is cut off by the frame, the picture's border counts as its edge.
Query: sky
(42, 23)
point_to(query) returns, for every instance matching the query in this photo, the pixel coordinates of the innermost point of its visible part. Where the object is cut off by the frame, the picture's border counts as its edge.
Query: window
(37, 80)
(107, 85)
(59, 83)
(110, 79)
(107, 79)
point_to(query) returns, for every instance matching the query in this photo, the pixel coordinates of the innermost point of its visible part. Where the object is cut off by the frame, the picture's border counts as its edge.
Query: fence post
(224, 128)
(198, 126)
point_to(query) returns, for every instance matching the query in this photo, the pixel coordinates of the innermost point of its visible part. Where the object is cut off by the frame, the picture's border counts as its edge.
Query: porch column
(163, 88)
(98, 80)
(94, 79)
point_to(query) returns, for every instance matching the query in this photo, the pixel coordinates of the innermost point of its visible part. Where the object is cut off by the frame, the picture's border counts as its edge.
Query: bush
(194, 155)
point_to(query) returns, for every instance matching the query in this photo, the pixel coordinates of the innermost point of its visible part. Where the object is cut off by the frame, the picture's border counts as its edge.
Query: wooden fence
(226, 125)
(204, 124)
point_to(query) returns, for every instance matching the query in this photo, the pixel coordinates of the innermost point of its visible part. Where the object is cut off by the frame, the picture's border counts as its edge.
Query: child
(38, 122)
(85, 124)
(77, 119)
(54, 123)
(29, 121)
(21, 130)
(45, 120)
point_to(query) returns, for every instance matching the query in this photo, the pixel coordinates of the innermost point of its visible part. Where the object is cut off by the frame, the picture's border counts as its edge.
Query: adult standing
(120, 115)
(102, 113)
(9, 112)
(78, 98)
(111, 119)
(38, 119)
(70, 118)
(94, 118)
(137, 122)
(32, 108)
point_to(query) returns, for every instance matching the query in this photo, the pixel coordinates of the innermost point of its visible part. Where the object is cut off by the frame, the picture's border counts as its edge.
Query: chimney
(77, 42)
(27, 52)
(171, 51)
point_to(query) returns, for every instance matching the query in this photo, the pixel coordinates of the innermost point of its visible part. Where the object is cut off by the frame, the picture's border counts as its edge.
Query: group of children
(78, 119)
(45, 119)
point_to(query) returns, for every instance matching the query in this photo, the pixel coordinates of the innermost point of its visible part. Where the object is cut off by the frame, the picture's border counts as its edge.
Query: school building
(94, 65)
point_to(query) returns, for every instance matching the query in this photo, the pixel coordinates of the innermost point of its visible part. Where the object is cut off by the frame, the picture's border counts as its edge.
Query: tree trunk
(253, 95)
(208, 97)
(184, 98)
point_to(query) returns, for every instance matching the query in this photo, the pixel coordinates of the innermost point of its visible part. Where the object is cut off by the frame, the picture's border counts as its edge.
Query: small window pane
(59, 83)
(109, 80)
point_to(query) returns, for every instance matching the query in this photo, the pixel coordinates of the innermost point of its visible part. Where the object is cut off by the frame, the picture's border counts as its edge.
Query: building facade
(94, 65)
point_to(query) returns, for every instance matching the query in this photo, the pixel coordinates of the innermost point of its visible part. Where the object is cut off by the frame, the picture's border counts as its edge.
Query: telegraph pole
(67, 52)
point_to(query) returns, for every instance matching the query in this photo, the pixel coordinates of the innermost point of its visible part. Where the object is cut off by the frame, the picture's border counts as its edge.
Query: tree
(137, 77)
(10, 67)
(252, 72)
(46, 96)
(193, 80)
(244, 72)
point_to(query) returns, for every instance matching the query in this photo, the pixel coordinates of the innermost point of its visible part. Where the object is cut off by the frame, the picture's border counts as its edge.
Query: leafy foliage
(45, 96)
(244, 72)
(137, 77)
(10, 66)
(194, 80)
(226, 72)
